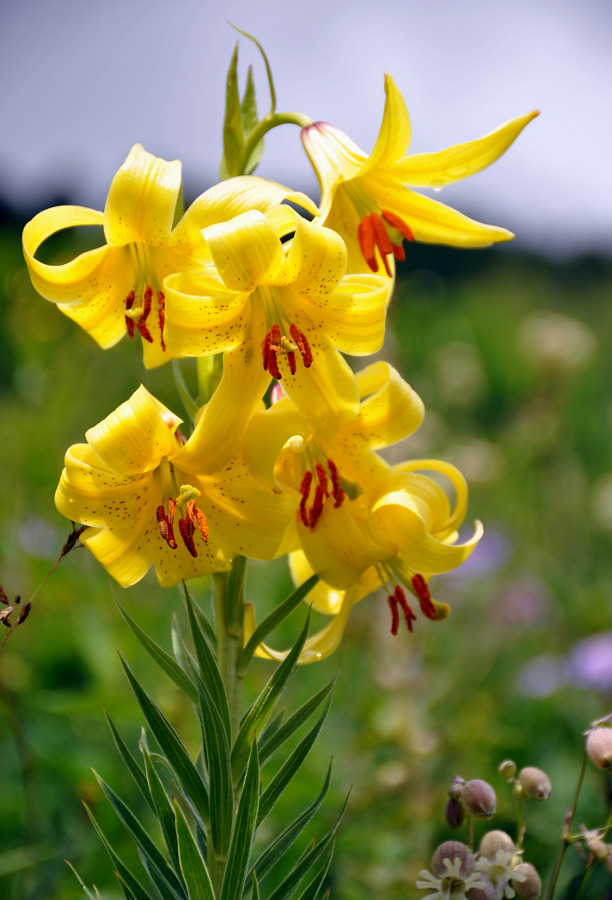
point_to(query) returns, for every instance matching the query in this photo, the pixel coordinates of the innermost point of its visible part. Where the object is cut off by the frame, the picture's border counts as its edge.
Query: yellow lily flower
(117, 289)
(148, 498)
(286, 302)
(362, 523)
(368, 201)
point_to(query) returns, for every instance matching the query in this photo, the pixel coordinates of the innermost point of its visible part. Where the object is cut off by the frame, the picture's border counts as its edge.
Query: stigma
(384, 232)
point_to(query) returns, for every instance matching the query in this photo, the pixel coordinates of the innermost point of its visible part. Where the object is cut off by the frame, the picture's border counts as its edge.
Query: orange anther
(392, 601)
(409, 616)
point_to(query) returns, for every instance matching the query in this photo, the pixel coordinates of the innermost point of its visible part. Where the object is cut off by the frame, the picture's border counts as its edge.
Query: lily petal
(246, 251)
(393, 138)
(390, 410)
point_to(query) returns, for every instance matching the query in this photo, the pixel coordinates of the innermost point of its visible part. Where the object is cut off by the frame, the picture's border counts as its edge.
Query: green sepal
(162, 874)
(122, 870)
(209, 671)
(278, 615)
(290, 767)
(244, 831)
(270, 743)
(170, 744)
(277, 849)
(263, 706)
(131, 764)
(193, 867)
(163, 659)
(163, 809)
(216, 741)
(233, 136)
(306, 862)
(250, 120)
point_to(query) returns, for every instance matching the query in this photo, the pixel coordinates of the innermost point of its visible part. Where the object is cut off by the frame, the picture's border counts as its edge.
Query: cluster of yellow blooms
(281, 297)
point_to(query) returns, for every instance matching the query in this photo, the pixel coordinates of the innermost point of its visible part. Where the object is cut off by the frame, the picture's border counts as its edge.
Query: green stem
(270, 121)
(566, 831)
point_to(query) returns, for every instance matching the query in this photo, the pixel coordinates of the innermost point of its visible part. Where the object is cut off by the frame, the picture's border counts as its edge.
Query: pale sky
(83, 80)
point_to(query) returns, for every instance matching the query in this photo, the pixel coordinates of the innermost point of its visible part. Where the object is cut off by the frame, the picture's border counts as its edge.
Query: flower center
(384, 232)
(150, 313)
(191, 519)
(326, 489)
(275, 343)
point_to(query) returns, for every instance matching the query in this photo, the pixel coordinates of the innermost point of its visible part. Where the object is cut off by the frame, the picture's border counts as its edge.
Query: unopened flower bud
(534, 783)
(599, 747)
(454, 792)
(507, 769)
(478, 799)
(487, 892)
(452, 850)
(528, 887)
(454, 814)
(493, 841)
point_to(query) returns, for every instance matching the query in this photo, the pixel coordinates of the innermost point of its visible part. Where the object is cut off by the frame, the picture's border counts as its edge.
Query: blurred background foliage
(510, 353)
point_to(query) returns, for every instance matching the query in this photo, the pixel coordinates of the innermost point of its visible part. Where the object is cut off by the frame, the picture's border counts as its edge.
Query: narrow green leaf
(233, 138)
(255, 888)
(271, 729)
(170, 743)
(127, 893)
(83, 885)
(160, 870)
(179, 650)
(163, 659)
(122, 870)
(163, 809)
(313, 888)
(219, 773)
(250, 120)
(208, 668)
(193, 867)
(290, 767)
(278, 615)
(259, 712)
(285, 840)
(191, 407)
(207, 629)
(270, 744)
(244, 831)
(309, 859)
(267, 65)
(133, 767)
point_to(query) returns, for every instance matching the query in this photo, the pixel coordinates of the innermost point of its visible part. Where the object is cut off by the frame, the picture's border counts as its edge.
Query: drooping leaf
(172, 746)
(163, 659)
(244, 831)
(193, 867)
(260, 711)
(278, 615)
(161, 872)
(290, 767)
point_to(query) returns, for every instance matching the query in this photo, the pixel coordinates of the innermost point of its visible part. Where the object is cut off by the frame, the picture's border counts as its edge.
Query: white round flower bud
(534, 783)
(478, 799)
(528, 884)
(599, 747)
(493, 841)
(452, 850)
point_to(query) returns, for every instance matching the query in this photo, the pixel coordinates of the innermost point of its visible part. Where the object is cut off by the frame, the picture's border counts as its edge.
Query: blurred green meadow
(510, 353)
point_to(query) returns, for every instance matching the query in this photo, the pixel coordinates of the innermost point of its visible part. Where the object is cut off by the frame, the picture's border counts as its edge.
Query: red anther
(269, 349)
(305, 491)
(129, 322)
(171, 509)
(165, 527)
(202, 523)
(337, 491)
(322, 477)
(187, 529)
(317, 507)
(365, 236)
(161, 299)
(302, 343)
(398, 223)
(409, 616)
(424, 597)
(141, 324)
(291, 361)
(392, 601)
